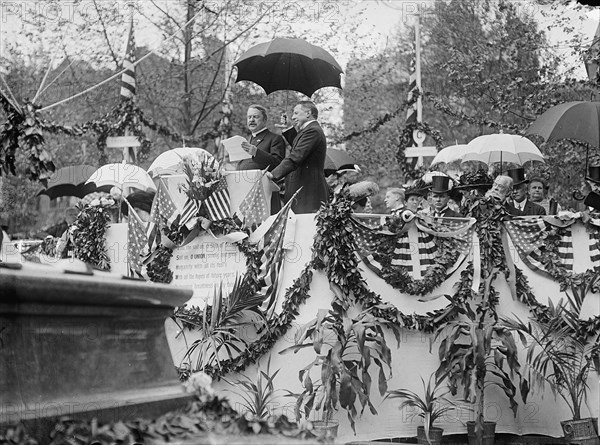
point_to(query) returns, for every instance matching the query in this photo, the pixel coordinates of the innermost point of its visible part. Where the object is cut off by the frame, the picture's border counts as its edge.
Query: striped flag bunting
(128, 76)
(528, 237)
(272, 251)
(136, 240)
(595, 241)
(368, 241)
(218, 204)
(163, 213)
(253, 209)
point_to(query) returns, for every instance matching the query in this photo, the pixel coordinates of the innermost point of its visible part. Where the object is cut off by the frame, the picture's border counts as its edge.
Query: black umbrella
(338, 160)
(70, 181)
(289, 64)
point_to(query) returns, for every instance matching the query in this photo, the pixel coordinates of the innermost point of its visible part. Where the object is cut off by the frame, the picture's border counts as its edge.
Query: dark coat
(531, 209)
(304, 167)
(449, 213)
(270, 151)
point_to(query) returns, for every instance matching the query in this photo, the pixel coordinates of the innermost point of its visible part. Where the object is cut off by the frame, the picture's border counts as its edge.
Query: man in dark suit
(304, 166)
(520, 205)
(440, 186)
(266, 148)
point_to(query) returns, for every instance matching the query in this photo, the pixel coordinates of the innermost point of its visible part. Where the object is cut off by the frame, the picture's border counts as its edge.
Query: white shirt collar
(520, 205)
(259, 132)
(306, 124)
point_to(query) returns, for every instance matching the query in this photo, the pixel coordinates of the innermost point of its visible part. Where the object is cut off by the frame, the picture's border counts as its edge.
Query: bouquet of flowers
(203, 178)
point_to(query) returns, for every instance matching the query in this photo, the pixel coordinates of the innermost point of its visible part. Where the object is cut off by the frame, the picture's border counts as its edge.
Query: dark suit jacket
(304, 167)
(449, 213)
(270, 151)
(531, 209)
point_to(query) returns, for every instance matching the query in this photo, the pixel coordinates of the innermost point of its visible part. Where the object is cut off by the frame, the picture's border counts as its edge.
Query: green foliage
(223, 326)
(256, 395)
(431, 406)
(158, 269)
(345, 350)
(89, 235)
(561, 350)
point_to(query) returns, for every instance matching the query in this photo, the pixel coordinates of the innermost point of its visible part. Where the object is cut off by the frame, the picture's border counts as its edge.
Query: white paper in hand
(233, 145)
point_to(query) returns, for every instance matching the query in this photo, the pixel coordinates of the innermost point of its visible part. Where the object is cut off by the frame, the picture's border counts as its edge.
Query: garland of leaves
(406, 138)
(158, 269)
(89, 235)
(333, 252)
(396, 276)
(23, 128)
(441, 106)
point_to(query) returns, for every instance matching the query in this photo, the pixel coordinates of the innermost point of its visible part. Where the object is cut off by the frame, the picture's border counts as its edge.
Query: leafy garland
(406, 138)
(158, 269)
(23, 128)
(89, 233)
(397, 276)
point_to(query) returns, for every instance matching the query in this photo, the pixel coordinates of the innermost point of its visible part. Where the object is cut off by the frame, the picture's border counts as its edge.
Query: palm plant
(561, 352)
(431, 406)
(223, 326)
(256, 395)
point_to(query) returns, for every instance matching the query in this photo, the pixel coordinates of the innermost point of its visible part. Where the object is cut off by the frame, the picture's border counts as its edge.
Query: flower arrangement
(203, 178)
(89, 231)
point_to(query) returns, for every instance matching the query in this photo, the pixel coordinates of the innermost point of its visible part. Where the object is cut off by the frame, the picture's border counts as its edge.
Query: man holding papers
(304, 166)
(265, 148)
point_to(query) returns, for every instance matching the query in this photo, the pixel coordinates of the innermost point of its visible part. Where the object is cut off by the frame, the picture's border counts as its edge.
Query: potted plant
(345, 350)
(431, 406)
(562, 349)
(474, 348)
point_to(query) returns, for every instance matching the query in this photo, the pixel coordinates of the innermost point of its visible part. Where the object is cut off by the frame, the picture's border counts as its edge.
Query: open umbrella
(502, 147)
(122, 175)
(450, 154)
(338, 160)
(170, 161)
(571, 120)
(289, 64)
(70, 181)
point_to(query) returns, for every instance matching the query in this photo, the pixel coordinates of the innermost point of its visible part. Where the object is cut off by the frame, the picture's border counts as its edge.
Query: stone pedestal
(84, 346)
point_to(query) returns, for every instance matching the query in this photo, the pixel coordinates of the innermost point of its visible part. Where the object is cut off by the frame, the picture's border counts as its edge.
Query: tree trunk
(479, 394)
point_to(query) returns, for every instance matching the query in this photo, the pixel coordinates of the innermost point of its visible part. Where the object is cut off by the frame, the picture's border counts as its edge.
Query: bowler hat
(440, 184)
(517, 175)
(592, 200)
(594, 174)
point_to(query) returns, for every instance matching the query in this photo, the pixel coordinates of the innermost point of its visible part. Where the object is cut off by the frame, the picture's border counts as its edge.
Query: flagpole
(418, 73)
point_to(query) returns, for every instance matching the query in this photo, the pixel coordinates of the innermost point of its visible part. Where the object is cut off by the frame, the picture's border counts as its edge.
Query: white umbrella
(170, 161)
(450, 154)
(502, 147)
(122, 175)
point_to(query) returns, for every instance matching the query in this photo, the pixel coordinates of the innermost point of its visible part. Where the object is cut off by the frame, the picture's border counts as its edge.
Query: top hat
(594, 174)
(440, 184)
(517, 175)
(592, 200)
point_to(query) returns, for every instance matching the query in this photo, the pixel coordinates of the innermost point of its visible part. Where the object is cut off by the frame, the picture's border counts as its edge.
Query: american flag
(217, 204)
(411, 112)
(528, 236)
(128, 76)
(163, 212)
(189, 212)
(369, 243)
(136, 240)
(272, 251)
(253, 209)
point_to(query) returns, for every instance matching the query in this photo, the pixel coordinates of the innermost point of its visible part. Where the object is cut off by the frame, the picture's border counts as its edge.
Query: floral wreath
(406, 138)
